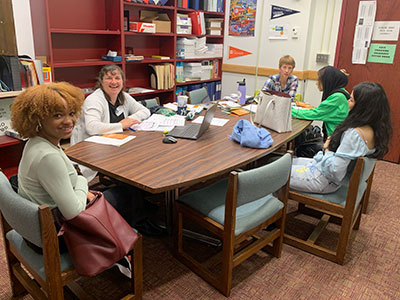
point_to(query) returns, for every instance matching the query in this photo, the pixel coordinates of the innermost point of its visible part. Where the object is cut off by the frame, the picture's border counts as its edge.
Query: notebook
(194, 131)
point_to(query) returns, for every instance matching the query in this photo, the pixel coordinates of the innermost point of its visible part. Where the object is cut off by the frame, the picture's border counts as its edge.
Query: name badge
(118, 111)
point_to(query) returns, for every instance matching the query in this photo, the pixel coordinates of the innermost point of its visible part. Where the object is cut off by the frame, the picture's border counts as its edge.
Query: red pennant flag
(235, 52)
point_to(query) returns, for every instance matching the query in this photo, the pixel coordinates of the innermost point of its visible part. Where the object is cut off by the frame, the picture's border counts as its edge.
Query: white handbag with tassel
(274, 111)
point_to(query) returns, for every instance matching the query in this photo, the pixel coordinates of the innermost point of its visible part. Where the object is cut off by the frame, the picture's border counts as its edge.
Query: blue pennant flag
(279, 12)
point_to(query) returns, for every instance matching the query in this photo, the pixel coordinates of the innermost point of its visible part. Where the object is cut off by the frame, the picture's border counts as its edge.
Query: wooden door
(8, 43)
(388, 75)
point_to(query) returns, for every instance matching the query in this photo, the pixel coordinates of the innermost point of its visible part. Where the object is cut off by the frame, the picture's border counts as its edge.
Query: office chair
(149, 103)
(43, 275)
(198, 96)
(235, 209)
(342, 207)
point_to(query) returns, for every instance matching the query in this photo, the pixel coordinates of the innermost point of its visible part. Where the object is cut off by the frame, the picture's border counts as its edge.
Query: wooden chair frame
(234, 249)
(52, 286)
(348, 217)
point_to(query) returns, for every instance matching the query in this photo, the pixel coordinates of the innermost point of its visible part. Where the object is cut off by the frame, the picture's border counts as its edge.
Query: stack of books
(192, 71)
(214, 26)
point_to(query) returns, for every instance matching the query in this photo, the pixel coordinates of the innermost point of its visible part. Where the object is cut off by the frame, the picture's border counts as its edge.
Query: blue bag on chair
(248, 135)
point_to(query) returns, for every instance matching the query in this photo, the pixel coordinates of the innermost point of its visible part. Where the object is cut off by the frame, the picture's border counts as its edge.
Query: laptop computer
(194, 131)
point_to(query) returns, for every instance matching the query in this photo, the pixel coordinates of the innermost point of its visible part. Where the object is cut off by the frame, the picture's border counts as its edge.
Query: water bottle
(182, 103)
(242, 91)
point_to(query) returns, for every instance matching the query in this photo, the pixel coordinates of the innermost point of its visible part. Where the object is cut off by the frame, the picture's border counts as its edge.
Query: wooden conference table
(149, 164)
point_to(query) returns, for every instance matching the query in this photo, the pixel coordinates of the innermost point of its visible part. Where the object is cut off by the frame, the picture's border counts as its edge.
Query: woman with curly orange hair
(46, 114)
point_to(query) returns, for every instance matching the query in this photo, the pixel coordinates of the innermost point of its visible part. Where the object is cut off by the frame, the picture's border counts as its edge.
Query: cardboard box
(162, 21)
(142, 27)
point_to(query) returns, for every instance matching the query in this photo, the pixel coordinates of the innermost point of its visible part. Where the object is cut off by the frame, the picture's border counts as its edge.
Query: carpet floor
(371, 269)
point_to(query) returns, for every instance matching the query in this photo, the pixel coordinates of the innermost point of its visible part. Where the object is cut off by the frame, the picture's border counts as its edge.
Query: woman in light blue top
(365, 132)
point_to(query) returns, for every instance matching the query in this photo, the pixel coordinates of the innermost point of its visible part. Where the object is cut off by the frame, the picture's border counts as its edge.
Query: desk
(153, 166)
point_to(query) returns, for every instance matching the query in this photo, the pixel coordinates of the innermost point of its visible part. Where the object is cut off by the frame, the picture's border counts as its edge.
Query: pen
(134, 130)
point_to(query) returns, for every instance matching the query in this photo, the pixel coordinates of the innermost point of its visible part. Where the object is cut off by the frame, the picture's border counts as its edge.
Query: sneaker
(124, 266)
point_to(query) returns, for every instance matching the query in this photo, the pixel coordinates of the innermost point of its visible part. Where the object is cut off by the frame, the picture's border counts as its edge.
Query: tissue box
(161, 21)
(142, 27)
(111, 58)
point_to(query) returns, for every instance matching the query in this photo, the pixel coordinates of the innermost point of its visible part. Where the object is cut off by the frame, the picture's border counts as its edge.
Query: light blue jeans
(305, 177)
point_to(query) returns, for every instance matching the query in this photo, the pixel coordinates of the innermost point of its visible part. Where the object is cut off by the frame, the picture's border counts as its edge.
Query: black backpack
(309, 142)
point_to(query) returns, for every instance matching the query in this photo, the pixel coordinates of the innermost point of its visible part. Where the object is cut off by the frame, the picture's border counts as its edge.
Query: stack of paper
(158, 122)
(114, 139)
(186, 47)
(192, 71)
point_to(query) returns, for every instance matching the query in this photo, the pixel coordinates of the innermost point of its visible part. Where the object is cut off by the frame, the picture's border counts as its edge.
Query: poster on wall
(278, 31)
(363, 31)
(279, 12)
(242, 17)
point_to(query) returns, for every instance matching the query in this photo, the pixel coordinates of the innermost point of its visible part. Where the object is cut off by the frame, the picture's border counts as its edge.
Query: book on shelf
(194, 4)
(160, 57)
(162, 76)
(29, 75)
(198, 23)
(139, 90)
(130, 57)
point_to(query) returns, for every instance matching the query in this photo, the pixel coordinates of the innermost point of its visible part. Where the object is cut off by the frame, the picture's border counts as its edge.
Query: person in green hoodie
(334, 107)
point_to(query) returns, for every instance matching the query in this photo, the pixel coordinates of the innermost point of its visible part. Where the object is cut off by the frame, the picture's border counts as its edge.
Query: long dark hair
(111, 69)
(371, 108)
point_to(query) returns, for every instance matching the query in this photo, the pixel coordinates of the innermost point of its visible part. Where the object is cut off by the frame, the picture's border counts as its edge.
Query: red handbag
(98, 237)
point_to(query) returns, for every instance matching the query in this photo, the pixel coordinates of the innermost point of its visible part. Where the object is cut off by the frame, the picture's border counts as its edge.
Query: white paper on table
(251, 107)
(109, 141)
(158, 122)
(228, 104)
(172, 106)
(214, 121)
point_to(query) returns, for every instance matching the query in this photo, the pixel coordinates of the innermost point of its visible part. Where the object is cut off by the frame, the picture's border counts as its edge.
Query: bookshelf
(80, 32)
(10, 148)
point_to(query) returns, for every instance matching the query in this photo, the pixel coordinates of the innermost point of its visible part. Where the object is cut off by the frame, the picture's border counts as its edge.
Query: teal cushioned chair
(149, 103)
(343, 207)
(198, 96)
(22, 221)
(235, 209)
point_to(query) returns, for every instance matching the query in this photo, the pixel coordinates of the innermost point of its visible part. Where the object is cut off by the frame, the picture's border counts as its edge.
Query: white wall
(23, 27)
(318, 23)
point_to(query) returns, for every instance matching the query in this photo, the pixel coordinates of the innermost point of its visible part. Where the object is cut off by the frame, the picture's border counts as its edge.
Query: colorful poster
(242, 17)
(279, 12)
(236, 52)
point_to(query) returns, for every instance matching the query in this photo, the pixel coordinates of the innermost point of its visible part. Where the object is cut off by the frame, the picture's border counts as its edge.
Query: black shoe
(148, 228)
(271, 227)
(150, 208)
